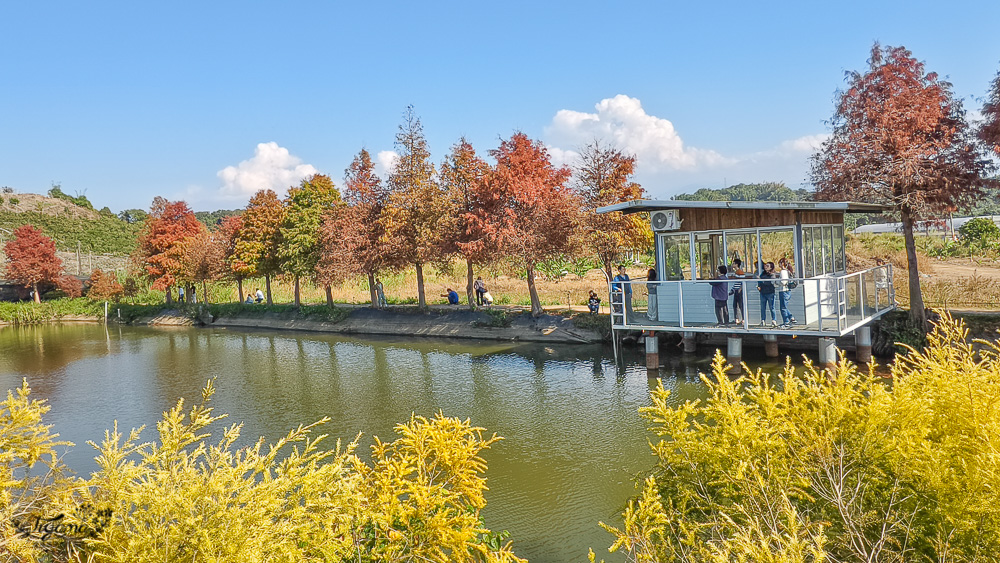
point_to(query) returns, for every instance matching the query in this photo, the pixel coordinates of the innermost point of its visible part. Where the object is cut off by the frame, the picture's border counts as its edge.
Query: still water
(573, 438)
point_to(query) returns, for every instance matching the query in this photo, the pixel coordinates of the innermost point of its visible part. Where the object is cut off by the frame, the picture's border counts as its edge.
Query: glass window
(807, 259)
(709, 253)
(676, 257)
(838, 248)
(828, 250)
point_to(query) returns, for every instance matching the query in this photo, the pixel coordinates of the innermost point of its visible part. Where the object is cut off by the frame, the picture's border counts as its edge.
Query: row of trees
(522, 207)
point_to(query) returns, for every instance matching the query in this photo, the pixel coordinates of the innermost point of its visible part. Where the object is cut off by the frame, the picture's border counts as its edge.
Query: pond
(573, 437)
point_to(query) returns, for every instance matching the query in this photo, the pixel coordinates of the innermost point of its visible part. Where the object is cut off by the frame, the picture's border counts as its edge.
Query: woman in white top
(784, 292)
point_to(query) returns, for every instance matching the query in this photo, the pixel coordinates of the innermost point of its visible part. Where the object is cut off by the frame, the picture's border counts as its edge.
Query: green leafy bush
(980, 232)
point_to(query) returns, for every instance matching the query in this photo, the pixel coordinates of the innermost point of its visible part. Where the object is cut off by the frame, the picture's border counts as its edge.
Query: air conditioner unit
(664, 220)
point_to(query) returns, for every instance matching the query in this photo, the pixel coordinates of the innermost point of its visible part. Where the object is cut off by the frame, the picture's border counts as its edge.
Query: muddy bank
(476, 325)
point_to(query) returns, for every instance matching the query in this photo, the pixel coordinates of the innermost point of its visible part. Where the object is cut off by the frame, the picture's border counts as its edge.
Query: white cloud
(385, 161)
(623, 122)
(665, 166)
(560, 157)
(272, 167)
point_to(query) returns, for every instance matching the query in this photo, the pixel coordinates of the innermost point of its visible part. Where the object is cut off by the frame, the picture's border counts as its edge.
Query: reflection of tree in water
(42, 349)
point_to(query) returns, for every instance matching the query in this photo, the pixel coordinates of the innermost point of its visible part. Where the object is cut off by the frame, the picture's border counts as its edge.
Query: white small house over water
(693, 238)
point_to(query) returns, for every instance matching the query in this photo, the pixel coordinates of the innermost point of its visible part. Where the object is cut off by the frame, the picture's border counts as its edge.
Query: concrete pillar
(863, 344)
(734, 351)
(771, 345)
(652, 352)
(690, 343)
(827, 352)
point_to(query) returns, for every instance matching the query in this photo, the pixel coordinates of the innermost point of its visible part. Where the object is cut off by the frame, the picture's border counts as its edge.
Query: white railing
(822, 305)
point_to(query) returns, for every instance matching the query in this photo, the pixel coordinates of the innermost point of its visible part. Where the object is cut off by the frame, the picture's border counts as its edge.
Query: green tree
(304, 209)
(980, 231)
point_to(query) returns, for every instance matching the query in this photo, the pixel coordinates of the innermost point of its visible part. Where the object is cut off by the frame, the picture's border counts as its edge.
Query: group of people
(771, 283)
(483, 297)
(256, 297)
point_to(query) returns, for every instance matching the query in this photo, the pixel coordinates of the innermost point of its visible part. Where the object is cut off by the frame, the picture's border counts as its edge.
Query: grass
(27, 312)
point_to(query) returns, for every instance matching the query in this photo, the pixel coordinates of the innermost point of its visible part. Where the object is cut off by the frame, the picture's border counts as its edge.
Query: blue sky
(209, 101)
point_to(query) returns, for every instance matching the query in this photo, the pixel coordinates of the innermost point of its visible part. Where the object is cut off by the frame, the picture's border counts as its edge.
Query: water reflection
(569, 415)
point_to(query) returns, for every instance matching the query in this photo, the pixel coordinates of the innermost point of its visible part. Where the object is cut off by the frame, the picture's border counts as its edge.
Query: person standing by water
(766, 289)
(380, 294)
(785, 293)
(720, 292)
(737, 272)
(480, 286)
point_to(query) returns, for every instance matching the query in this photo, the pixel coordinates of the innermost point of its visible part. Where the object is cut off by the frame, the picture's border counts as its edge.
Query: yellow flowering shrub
(187, 497)
(829, 466)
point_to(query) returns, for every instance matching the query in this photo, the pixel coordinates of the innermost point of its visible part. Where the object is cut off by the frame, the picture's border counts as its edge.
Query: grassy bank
(27, 312)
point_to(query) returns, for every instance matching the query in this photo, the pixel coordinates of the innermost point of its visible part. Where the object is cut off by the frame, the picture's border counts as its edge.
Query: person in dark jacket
(720, 292)
(766, 289)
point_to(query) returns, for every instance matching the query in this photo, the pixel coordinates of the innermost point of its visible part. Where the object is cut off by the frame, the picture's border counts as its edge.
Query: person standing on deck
(737, 272)
(766, 289)
(625, 288)
(720, 292)
(785, 293)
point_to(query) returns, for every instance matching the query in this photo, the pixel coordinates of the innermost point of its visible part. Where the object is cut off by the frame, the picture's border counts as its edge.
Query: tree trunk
(536, 305)
(298, 302)
(329, 296)
(371, 289)
(204, 292)
(37, 297)
(917, 314)
(421, 298)
(170, 294)
(239, 288)
(267, 284)
(468, 284)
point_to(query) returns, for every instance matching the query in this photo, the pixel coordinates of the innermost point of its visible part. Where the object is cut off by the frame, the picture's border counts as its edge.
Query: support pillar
(652, 352)
(771, 345)
(863, 344)
(690, 343)
(734, 352)
(827, 353)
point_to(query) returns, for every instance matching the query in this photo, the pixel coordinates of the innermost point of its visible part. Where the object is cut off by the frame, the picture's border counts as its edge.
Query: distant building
(937, 227)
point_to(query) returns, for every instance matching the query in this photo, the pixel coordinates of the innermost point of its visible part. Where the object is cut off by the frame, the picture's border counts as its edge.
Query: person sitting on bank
(452, 296)
(249, 300)
(260, 296)
(594, 303)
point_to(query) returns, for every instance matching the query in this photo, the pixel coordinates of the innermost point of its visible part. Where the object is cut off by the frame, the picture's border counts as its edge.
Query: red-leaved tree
(257, 248)
(900, 138)
(32, 260)
(170, 225)
(352, 236)
(464, 177)
(225, 238)
(528, 209)
(990, 131)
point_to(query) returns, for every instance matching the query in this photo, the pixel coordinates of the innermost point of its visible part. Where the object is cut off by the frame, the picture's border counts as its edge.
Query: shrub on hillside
(838, 466)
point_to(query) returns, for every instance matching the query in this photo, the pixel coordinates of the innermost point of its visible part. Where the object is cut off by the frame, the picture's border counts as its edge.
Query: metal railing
(831, 304)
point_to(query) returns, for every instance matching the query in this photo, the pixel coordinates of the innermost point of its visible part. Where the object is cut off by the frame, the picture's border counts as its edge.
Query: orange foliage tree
(417, 204)
(256, 251)
(528, 209)
(104, 286)
(226, 238)
(161, 245)
(201, 261)
(32, 260)
(900, 138)
(464, 178)
(604, 177)
(990, 131)
(352, 236)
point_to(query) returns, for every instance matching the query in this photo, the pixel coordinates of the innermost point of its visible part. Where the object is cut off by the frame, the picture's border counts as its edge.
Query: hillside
(67, 223)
